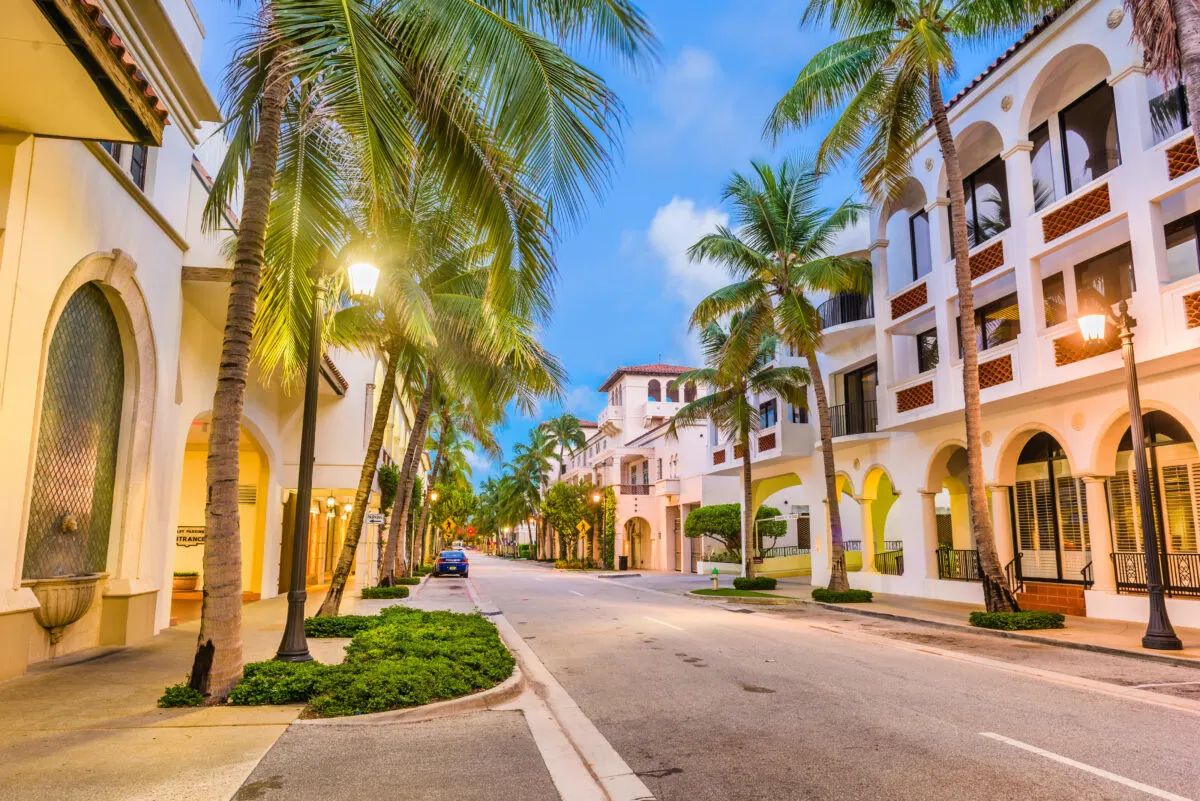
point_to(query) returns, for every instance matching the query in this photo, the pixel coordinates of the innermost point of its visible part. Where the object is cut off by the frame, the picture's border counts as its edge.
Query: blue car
(451, 563)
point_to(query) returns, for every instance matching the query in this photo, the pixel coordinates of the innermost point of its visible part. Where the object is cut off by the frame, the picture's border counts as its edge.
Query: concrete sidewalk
(1086, 632)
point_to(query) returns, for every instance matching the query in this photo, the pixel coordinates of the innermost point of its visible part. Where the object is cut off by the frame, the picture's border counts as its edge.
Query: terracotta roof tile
(643, 369)
(333, 374)
(122, 53)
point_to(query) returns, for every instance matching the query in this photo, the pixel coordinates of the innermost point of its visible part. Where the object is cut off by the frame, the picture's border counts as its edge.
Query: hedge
(404, 657)
(409, 580)
(523, 551)
(180, 695)
(570, 564)
(339, 626)
(375, 593)
(1017, 621)
(845, 597)
(756, 583)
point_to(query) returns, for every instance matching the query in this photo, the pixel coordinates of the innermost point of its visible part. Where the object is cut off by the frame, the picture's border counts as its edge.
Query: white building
(112, 306)
(1081, 178)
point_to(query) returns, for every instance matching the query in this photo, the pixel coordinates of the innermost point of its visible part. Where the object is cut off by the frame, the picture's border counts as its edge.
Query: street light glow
(1093, 318)
(595, 497)
(433, 496)
(364, 277)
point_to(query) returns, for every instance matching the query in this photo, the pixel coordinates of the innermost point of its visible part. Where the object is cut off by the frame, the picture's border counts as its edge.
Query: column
(1099, 534)
(1133, 111)
(865, 506)
(927, 542)
(1002, 522)
(819, 534)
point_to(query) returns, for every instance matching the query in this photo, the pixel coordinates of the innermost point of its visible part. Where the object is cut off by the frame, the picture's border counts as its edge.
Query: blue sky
(625, 287)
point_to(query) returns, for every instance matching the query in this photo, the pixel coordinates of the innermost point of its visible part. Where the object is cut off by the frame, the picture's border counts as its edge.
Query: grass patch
(1017, 621)
(726, 592)
(375, 593)
(756, 583)
(845, 597)
(402, 658)
(180, 695)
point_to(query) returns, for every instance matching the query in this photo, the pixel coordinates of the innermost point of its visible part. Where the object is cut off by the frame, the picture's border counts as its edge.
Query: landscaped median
(397, 659)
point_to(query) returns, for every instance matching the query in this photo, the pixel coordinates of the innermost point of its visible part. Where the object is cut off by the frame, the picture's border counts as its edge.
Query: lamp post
(1094, 316)
(363, 278)
(597, 496)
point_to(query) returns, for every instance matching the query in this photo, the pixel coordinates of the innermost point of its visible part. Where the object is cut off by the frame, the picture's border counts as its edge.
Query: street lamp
(433, 496)
(294, 647)
(596, 497)
(1094, 316)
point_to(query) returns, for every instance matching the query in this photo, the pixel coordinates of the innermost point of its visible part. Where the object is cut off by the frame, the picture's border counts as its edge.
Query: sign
(375, 518)
(448, 526)
(583, 528)
(189, 536)
(471, 530)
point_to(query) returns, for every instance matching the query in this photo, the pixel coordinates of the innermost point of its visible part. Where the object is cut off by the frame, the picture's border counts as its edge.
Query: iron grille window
(1054, 299)
(1089, 137)
(927, 350)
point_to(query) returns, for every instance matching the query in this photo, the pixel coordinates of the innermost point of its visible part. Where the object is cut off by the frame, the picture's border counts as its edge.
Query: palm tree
(565, 433)
(531, 462)
(505, 112)
(1169, 32)
(885, 73)
(778, 253)
(737, 378)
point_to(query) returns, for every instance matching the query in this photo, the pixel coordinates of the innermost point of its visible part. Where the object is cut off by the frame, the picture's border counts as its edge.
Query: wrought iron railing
(958, 564)
(1088, 578)
(893, 545)
(1180, 572)
(783, 550)
(635, 489)
(846, 308)
(852, 545)
(890, 563)
(848, 419)
(1012, 572)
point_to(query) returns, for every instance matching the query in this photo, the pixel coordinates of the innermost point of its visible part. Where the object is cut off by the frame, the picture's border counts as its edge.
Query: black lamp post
(1094, 315)
(363, 277)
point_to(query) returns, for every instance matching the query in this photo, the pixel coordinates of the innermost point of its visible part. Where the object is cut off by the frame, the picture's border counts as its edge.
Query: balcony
(851, 419)
(845, 318)
(656, 411)
(780, 442)
(634, 489)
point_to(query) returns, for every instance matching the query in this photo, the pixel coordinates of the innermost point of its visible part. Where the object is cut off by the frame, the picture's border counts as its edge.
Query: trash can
(622, 563)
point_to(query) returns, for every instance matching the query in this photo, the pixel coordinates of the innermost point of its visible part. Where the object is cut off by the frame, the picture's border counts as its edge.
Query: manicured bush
(409, 580)
(756, 583)
(375, 593)
(180, 695)
(845, 597)
(401, 657)
(523, 551)
(422, 570)
(186, 574)
(1017, 621)
(569, 564)
(340, 626)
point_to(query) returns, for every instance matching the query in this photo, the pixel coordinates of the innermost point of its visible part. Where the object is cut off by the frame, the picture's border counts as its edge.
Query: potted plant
(185, 581)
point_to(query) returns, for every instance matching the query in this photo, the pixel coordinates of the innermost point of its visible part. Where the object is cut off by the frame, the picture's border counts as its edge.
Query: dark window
(1183, 255)
(654, 390)
(799, 414)
(1168, 108)
(986, 203)
(137, 165)
(1054, 299)
(1109, 274)
(927, 350)
(1042, 163)
(672, 392)
(658, 467)
(995, 323)
(918, 237)
(689, 392)
(646, 472)
(767, 413)
(1089, 137)
(113, 148)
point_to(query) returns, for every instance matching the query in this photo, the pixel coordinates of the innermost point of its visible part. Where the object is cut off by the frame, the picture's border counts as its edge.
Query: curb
(1194, 664)
(740, 599)
(618, 575)
(502, 693)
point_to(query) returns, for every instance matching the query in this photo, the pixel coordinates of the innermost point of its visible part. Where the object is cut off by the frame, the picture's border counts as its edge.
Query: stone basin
(62, 600)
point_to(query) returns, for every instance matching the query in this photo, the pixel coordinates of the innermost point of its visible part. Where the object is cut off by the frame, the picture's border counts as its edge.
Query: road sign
(583, 527)
(375, 518)
(471, 530)
(448, 526)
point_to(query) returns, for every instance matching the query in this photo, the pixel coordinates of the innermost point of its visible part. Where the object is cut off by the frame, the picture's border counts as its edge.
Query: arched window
(689, 392)
(672, 392)
(654, 390)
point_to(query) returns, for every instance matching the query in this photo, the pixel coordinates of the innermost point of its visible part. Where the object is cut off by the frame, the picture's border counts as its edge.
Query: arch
(637, 543)
(764, 488)
(845, 484)
(1010, 451)
(672, 392)
(114, 274)
(906, 258)
(977, 144)
(653, 390)
(938, 469)
(876, 479)
(1112, 430)
(1070, 73)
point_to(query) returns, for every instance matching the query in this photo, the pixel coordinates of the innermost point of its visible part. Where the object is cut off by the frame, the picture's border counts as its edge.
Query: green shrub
(845, 597)
(569, 564)
(409, 580)
(523, 551)
(278, 683)
(375, 593)
(1017, 621)
(725, 557)
(422, 570)
(340, 626)
(186, 574)
(180, 695)
(756, 583)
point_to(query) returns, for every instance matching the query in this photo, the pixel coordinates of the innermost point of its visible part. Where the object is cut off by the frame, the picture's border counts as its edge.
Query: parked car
(451, 563)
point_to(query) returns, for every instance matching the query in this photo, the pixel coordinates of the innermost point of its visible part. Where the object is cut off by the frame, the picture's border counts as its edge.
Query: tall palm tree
(506, 112)
(532, 461)
(884, 74)
(778, 253)
(566, 433)
(736, 379)
(1169, 32)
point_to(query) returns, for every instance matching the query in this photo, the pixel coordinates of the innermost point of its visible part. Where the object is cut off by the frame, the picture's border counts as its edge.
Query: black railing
(1012, 572)
(1088, 578)
(783, 550)
(958, 565)
(1181, 572)
(852, 545)
(890, 563)
(846, 308)
(635, 489)
(893, 545)
(853, 418)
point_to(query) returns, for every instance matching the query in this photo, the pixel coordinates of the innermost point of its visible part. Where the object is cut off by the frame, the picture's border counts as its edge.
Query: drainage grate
(490, 614)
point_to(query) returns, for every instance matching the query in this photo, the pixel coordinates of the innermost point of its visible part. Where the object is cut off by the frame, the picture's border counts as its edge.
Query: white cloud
(480, 463)
(579, 400)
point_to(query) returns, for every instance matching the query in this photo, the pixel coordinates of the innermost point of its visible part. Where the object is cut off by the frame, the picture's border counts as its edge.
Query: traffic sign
(448, 526)
(471, 530)
(583, 527)
(375, 518)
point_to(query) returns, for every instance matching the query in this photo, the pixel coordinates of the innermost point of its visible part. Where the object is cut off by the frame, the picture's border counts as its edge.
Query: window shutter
(247, 494)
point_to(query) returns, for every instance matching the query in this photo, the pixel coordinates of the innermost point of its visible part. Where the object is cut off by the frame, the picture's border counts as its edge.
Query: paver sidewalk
(1111, 634)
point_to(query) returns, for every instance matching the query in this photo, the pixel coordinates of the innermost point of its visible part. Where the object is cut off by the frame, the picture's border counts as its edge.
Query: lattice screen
(1181, 158)
(719, 456)
(1076, 213)
(1073, 348)
(914, 397)
(987, 260)
(913, 299)
(1191, 309)
(995, 372)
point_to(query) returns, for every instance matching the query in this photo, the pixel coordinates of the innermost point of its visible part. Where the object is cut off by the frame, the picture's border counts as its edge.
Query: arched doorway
(75, 469)
(637, 539)
(1050, 508)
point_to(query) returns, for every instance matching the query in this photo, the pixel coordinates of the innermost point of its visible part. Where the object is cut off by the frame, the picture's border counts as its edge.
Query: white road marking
(535, 578)
(1104, 774)
(1165, 684)
(580, 594)
(663, 623)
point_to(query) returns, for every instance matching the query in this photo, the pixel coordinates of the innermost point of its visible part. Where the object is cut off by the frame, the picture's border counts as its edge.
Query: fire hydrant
(715, 574)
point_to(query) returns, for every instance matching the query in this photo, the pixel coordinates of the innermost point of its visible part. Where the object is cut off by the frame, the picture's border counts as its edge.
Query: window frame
(921, 367)
(768, 409)
(912, 243)
(1180, 223)
(1062, 134)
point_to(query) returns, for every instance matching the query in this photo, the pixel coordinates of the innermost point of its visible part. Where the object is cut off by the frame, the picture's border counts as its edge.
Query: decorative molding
(937, 202)
(1115, 18)
(1023, 146)
(878, 244)
(1132, 69)
(1006, 103)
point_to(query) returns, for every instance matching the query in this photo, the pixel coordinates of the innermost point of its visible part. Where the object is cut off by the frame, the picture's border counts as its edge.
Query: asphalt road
(708, 702)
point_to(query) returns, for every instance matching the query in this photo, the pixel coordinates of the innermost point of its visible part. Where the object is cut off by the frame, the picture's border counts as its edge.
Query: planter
(62, 601)
(185, 583)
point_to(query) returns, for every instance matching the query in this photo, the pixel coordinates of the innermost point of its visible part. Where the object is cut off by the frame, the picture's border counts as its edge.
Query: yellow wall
(800, 565)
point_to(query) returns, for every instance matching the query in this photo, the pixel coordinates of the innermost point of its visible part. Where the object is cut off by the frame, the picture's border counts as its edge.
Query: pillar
(866, 507)
(924, 565)
(1002, 522)
(1131, 97)
(1099, 534)
(819, 534)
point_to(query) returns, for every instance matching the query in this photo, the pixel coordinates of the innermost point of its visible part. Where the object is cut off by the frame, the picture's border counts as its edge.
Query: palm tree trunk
(838, 580)
(341, 573)
(387, 570)
(747, 509)
(217, 665)
(996, 593)
(1187, 25)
